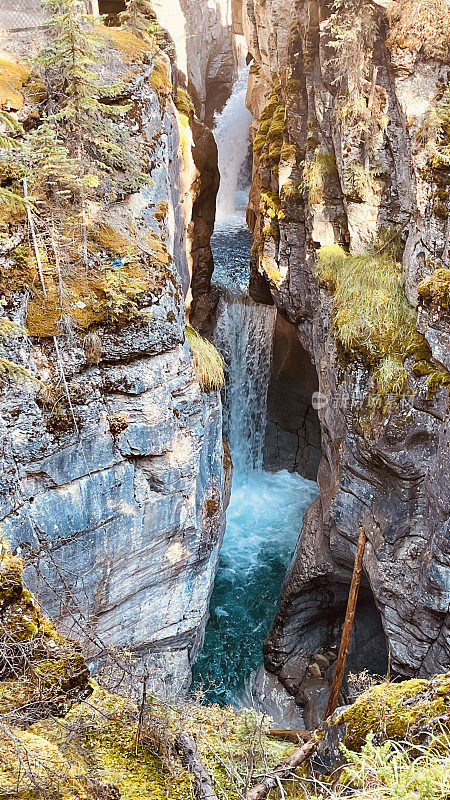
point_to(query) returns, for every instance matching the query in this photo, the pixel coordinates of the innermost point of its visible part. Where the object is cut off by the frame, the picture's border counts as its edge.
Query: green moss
(269, 140)
(289, 152)
(395, 709)
(271, 229)
(133, 48)
(111, 293)
(435, 290)
(160, 80)
(270, 206)
(184, 102)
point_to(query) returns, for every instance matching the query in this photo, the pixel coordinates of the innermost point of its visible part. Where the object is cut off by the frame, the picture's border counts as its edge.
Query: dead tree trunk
(282, 772)
(191, 760)
(348, 626)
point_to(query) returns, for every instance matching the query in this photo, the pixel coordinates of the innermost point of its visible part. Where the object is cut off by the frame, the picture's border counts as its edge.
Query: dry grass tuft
(208, 363)
(315, 174)
(372, 315)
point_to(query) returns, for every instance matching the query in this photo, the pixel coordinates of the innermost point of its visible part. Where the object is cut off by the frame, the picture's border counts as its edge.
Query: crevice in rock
(293, 428)
(308, 668)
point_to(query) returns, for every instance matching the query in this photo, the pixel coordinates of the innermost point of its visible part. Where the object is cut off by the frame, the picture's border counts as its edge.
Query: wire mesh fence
(27, 14)
(20, 14)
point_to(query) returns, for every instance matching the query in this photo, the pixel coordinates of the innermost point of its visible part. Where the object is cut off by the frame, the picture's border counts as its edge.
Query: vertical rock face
(116, 500)
(203, 37)
(345, 153)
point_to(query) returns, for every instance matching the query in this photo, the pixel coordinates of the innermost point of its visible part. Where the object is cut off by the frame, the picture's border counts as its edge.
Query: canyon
(117, 499)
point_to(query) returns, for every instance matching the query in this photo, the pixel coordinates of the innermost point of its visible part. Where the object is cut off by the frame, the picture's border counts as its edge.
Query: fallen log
(191, 760)
(282, 771)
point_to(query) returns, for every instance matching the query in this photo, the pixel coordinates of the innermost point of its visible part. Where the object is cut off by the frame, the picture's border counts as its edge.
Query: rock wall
(385, 458)
(203, 37)
(116, 502)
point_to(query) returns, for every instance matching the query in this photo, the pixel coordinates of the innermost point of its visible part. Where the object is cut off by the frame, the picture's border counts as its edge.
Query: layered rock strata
(115, 499)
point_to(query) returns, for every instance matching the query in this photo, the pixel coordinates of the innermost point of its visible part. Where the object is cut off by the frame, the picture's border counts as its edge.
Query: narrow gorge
(225, 358)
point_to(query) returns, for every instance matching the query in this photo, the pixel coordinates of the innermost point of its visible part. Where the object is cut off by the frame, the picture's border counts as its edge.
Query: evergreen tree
(53, 174)
(9, 200)
(83, 106)
(140, 18)
(83, 127)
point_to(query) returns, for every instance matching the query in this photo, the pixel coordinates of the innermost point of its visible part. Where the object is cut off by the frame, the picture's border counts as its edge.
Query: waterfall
(231, 135)
(244, 334)
(244, 329)
(265, 511)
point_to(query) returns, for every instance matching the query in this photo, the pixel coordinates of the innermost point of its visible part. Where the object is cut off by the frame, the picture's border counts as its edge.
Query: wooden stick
(348, 626)
(191, 760)
(282, 772)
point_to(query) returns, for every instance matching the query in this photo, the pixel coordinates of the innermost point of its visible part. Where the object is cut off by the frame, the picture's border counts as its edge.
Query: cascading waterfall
(265, 512)
(232, 145)
(244, 336)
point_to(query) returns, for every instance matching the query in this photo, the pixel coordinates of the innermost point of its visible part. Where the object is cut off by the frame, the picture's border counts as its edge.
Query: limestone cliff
(351, 149)
(113, 477)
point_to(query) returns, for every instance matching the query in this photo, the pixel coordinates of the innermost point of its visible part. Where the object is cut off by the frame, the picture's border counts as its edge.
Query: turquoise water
(263, 523)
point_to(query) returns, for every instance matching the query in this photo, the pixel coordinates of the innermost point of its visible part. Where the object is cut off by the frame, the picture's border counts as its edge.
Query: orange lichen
(13, 76)
(132, 47)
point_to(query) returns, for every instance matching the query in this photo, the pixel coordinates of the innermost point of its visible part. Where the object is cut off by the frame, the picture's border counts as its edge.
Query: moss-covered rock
(395, 710)
(117, 289)
(435, 290)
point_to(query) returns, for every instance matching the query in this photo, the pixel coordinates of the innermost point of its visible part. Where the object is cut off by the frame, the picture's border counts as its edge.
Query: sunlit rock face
(203, 37)
(118, 509)
(385, 471)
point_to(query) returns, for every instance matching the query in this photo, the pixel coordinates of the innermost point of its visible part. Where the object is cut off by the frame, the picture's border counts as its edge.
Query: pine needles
(208, 363)
(10, 129)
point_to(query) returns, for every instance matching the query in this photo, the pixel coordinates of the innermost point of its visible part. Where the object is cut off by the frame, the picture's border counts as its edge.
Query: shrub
(434, 132)
(359, 182)
(208, 363)
(291, 191)
(421, 26)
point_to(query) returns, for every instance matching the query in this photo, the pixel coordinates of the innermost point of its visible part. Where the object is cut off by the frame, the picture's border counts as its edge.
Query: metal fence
(16, 15)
